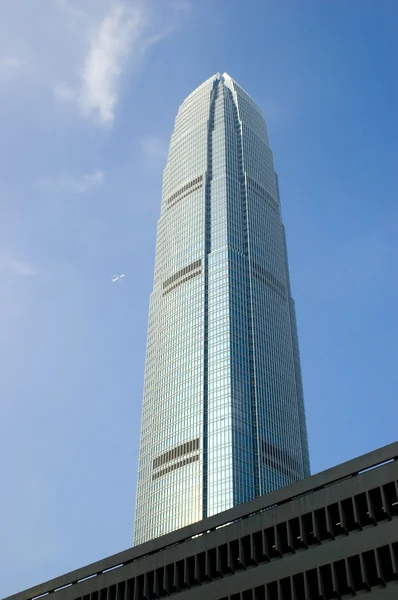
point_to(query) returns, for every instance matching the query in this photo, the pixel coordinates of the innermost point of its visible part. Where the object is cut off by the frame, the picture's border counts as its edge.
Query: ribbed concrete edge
(350, 468)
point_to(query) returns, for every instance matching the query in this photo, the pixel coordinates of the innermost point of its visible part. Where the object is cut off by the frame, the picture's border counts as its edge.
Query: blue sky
(90, 90)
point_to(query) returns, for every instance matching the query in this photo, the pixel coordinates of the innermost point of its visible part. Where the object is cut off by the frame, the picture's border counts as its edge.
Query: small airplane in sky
(117, 277)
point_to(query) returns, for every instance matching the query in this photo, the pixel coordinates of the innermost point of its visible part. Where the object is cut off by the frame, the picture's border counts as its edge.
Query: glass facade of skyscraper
(223, 413)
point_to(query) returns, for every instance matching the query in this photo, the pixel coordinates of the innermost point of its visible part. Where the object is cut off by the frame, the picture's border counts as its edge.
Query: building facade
(223, 413)
(332, 535)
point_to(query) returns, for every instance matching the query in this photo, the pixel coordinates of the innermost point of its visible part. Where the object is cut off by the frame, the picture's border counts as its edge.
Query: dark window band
(176, 452)
(181, 281)
(258, 189)
(279, 460)
(174, 466)
(269, 279)
(194, 266)
(187, 189)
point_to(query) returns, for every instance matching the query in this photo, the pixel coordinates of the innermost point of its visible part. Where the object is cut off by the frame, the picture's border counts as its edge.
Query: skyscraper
(223, 412)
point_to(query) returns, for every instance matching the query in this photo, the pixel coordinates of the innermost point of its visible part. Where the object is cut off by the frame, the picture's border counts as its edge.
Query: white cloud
(78, 184)
(114, 39)
(10, 63)
(121, 37)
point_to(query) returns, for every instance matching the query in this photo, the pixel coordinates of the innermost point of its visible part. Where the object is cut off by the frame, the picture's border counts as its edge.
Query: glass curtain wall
(223, 413)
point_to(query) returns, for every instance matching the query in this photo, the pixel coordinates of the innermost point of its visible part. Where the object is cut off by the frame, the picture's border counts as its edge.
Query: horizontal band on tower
(187, 189)
(191, 270)
(262, 274)
(174, 466)
(262, 193)
(176, 452)
(278, 459)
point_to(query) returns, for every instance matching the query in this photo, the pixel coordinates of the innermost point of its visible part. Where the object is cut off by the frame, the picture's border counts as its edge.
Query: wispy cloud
(121, 38)
(70, 8)
(22, 268)
(111, 44)
(154, 148)
(118, 38)
(78, 184)
(10, 63)
(9, 265)
(64, 93)
(182, 5)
